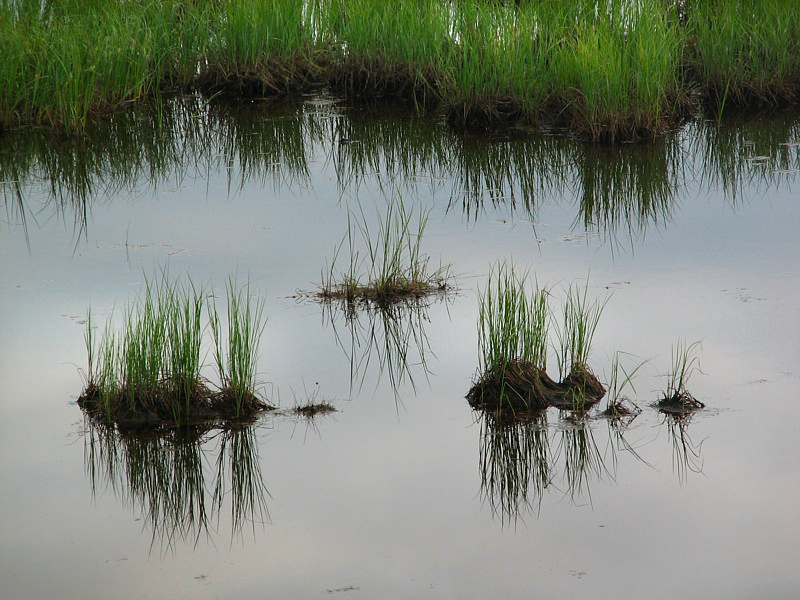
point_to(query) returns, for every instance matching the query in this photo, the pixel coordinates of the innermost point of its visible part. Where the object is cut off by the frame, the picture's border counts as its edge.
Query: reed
(149, 373)
(396, 49)
(256, 48)
(609, 71)
(618, 71)
(236, 350)
(618, 404)
(745, 54)
(685, 361)
(512, 322)
(580, 317)
(512, 346)
(385, 267)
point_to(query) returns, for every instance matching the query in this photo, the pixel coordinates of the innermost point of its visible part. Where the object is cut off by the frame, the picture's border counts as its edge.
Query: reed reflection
(618, 190)
(180, 480)
(524, 455)
(687, 455)
(391, 338)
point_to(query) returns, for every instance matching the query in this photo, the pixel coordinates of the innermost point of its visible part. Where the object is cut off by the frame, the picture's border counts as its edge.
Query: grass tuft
(512, 343)
(685, 361)
(149, 373)
(384, 268)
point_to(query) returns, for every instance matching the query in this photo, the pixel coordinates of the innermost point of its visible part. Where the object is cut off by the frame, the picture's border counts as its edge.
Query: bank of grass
(388, 49)
(148, 373)
(746, 54)
(606, 71)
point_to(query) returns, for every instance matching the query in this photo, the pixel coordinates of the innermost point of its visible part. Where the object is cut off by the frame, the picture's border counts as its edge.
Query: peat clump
(164, 408)
(679, 403)
(523, 387)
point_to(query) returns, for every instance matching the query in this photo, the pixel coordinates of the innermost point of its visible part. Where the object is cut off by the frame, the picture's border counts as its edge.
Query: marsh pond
(688, 246)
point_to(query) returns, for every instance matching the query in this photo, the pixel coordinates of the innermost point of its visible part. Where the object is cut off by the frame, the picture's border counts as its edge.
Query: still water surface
(405, 492)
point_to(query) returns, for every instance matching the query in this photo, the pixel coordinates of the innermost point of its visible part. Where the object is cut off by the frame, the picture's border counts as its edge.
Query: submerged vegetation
(150, 373)
(616, 70)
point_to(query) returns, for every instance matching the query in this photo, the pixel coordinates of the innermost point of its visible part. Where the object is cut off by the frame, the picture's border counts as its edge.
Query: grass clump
(149, 373)
(685, 361)
(513, 338)
(387, 267)
(618, 403)
(580, 319)
(512, 343)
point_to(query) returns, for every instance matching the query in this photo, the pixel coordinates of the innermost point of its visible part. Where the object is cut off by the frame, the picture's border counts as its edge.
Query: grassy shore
(617, 70)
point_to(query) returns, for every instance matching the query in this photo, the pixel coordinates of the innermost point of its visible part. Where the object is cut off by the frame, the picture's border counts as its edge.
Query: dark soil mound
(679, 403)
(523, 387)
(161, 409)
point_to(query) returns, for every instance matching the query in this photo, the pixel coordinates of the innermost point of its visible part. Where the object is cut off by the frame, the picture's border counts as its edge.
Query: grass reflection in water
(180, 481)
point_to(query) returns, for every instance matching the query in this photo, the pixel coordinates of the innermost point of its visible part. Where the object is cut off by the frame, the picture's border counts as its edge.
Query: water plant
(236, 350)
(312, 405)
(626, 69)
(745, 54)
(512, 345)
(387, 267)
(149, 373)
(618, 404)
(685, 361)
(580, 318)
(512, 341)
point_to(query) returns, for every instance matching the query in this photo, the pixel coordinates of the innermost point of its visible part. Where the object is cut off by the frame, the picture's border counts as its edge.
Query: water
(405, 492)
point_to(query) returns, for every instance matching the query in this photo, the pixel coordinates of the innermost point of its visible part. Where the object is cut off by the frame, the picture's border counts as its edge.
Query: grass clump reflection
(181, 480)
(149, 373)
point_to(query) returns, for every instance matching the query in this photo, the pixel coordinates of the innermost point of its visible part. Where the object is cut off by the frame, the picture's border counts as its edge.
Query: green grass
(397, 49)
(513, 326)
(149, 372)
(746, 54)
(512, 322)
(618, 404)
(619, 70)
(236, 350)
(685, 361)
(580, 318)
(384, 266)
